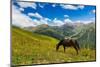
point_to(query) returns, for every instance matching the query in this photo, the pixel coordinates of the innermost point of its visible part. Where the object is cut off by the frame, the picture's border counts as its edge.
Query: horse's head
(57, 46)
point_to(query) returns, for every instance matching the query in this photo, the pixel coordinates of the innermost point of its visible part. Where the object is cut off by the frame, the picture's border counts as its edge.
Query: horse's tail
(57, 46)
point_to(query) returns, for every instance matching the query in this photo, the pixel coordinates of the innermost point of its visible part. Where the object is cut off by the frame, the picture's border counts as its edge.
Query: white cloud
(20, 19)
(36, 22)
(27, 4)
(37, 15)
(78, 21)
(69, 7)
(56, 22)
(67, 20)
(66, 16)
(93, 11)
(23, 20)
(84, 21)
(42, 20)
(81, 6)
(72, 7)
(42, 6)
(53, 5)
(47, 19)
(21, 9)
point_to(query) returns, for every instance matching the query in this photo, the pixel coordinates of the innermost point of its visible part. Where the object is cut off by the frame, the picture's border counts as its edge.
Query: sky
(27, 14)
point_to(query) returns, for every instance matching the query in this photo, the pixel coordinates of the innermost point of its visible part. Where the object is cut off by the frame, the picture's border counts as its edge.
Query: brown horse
(68, 43)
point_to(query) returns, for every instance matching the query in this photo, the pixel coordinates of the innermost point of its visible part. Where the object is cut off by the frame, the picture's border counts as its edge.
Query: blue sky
(54, 14)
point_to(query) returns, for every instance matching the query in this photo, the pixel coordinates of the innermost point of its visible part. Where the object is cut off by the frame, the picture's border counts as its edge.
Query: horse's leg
(76, 49)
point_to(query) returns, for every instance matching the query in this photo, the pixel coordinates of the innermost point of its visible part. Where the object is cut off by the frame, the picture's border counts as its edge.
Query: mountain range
(84, 33)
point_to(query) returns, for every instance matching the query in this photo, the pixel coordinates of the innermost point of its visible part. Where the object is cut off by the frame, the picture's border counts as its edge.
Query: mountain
(84, 33)
(58, 32)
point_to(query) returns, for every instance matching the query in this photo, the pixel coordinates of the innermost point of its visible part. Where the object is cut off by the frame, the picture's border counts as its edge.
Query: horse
(68, 43)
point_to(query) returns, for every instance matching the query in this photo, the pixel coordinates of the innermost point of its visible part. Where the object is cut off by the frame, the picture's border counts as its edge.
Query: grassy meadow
(32, 48)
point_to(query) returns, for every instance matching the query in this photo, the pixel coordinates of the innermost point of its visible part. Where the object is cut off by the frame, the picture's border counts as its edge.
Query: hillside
(26, 44)
(32, 48)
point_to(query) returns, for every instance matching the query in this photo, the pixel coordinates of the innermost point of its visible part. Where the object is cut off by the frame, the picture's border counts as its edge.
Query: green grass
(31, 48)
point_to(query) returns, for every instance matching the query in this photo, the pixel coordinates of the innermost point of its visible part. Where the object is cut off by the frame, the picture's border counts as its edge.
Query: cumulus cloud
(42, 6)
(56, 22)
(24, 20)
(36, 22)
(67, 20)
(41, 19)
(66, 16)
(20, 19)
(71, 7)
(27, 4)
(47, 19)
(37, 15)
(39, 22)
(21, 9)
